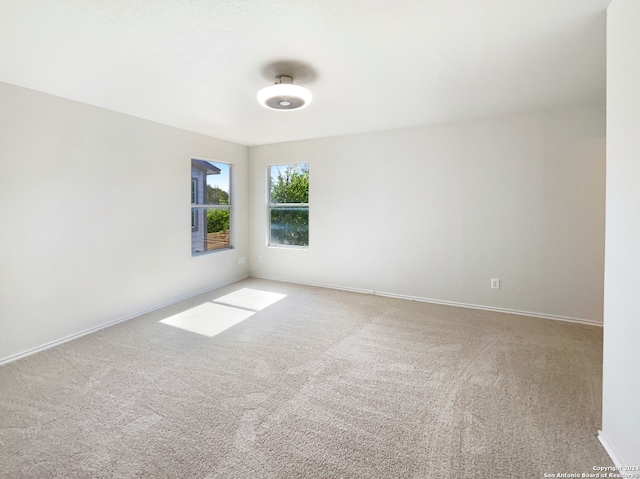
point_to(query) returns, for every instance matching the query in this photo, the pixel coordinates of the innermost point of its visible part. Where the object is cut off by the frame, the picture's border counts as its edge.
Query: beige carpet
(318, 384)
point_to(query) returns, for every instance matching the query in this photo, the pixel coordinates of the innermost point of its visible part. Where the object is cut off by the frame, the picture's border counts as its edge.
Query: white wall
(436, 212)
(95, 217)
(621, 377)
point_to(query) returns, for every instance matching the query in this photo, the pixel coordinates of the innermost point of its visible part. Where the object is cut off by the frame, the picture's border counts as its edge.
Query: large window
(211, 203)
(289, 204)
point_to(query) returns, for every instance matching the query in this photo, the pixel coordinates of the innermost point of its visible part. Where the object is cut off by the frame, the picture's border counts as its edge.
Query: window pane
(218, 190)
(289, 226)
(212, 229)
(289, 183)
(210, 183)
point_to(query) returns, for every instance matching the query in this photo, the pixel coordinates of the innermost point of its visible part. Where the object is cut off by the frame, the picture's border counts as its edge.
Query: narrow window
(289, 204)
(211, 205)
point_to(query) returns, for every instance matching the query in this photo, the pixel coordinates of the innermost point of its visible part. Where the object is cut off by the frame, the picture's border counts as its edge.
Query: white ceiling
(371, 64)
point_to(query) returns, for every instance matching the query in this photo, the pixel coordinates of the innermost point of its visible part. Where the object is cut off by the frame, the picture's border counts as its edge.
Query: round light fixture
(284, 95)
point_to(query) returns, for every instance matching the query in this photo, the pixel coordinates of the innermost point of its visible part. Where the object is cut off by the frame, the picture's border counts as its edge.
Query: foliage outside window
(211, 204)
(289, 204)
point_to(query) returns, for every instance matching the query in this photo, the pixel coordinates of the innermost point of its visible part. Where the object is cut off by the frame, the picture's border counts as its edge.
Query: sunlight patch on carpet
(208, 319)
(214, 317)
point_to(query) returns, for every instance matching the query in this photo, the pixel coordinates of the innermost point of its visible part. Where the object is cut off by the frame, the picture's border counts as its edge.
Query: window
(289, 204)
(211, 203)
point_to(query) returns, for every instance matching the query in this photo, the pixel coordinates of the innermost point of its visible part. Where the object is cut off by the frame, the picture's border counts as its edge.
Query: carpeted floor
(314, 383)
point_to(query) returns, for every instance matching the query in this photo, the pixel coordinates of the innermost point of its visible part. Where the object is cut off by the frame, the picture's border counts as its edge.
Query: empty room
(338, 239)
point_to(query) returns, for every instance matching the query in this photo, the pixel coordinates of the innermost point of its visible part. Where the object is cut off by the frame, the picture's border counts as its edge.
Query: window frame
(271, 205)
(194, 212)
(204, 207)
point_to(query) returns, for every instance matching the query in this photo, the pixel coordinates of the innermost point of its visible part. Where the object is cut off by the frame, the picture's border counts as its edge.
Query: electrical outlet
(495, 283)
(259, 259)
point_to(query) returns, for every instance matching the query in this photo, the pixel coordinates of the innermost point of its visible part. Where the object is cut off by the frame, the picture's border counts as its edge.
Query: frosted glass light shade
(284, 97)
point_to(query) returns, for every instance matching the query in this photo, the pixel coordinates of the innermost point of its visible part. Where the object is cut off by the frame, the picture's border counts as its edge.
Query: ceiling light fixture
(284, 95)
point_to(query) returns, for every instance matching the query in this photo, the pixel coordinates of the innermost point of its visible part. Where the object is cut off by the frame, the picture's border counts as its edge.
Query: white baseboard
(71, 337)
(607, 447)
(319, 285)
(494, 309)
(437, 301)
